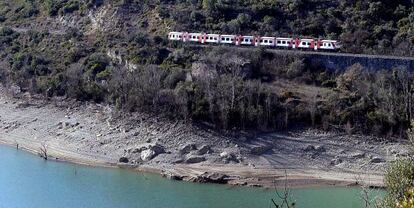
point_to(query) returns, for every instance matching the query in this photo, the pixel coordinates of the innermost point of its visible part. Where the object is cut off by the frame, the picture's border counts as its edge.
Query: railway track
(273, 50)
(306, 52)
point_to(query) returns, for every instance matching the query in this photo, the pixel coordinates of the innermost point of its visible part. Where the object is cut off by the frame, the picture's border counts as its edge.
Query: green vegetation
(400, 180)
(126, 60)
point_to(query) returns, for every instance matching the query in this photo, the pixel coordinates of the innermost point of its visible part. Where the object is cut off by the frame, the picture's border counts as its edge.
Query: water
(26, 181)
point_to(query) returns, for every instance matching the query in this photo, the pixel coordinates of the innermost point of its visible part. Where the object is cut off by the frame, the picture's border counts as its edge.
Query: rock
(153, 150)
(377, 160)
(123, 160)
(187, 149)
(154, 146)
(358, 155)
(70, 123)
(206, 177)
(336, 161)
(259, 150)
(320, 148)
(205, 149)
(195, 159)
(229, 157)
(147, 155)
(309, 148)
(224, 154)
(172, 176)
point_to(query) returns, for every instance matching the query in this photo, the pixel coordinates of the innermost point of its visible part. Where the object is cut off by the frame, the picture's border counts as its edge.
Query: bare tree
(43, 151)
(367, 193)
(284, 196)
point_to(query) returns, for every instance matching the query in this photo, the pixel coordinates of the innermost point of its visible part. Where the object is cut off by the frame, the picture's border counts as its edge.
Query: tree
(399, 178)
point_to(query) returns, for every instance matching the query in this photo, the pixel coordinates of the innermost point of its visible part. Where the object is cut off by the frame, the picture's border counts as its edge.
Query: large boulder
(377, 160)
(205, 149)
(206, 177)
(154, 146)
(151, 152)
(123, 160)
(358, 155)
(172, 176)
(309, 148)
(336, 161)
(187, 148)
(195, 159)
(259, 150)
(147, 155)
(229, 157)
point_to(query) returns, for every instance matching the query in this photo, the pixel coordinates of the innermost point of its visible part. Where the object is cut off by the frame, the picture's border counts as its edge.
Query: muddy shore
(97, 135)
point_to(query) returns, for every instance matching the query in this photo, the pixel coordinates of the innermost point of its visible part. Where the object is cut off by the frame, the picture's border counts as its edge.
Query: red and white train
(240, 40)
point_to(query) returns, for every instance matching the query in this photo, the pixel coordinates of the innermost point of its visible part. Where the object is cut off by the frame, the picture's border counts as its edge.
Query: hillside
(116, 52)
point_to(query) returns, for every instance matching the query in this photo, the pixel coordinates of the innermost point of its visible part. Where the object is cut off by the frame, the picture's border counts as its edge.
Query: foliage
(399, 181)
(408, 200)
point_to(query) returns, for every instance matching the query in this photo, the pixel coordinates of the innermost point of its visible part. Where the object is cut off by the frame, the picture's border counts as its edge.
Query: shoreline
(94, 135)
(294, 181)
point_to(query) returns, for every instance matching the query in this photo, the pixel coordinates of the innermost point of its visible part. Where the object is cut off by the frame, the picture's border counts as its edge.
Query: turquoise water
(26, 181)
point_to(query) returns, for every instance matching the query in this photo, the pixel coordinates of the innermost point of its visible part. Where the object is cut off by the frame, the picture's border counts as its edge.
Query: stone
(224, 154)
(358, 155)
(151, 151)
(172, 176)
(187, 148)
(123, 160)
(205, 149)
(195, 159)
(309, 148)
(377, 160)
(147, 155)
(320, 148)
(206, 177)
(336, 161)
(259, 150)
(229, 157)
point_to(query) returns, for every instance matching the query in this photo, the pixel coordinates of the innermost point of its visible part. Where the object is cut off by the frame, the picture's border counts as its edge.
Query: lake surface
(26, 181)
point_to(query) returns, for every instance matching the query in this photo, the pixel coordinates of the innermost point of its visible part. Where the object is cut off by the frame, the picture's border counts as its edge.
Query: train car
(246, 40)
(267, 41)
(176, 36)
(227, 39)
(212, 38)
(194, 37)
(328, 45)
(305, 44)
(284, 42)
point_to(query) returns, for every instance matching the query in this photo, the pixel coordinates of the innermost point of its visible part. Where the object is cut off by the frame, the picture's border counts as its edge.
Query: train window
(271, 42)
(266, 41)
(215, 38)
(222, 39)
(283, 42)
(231, 39)
(279, 42)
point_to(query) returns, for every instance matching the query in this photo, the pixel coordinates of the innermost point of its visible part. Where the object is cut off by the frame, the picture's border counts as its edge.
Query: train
(257, 41)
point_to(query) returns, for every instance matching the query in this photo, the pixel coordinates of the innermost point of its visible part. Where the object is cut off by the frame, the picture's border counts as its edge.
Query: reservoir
(26, 181)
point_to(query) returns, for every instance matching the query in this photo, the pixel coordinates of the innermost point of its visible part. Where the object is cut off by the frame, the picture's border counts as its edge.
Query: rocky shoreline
(93, 134)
